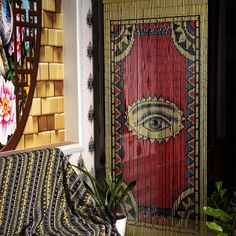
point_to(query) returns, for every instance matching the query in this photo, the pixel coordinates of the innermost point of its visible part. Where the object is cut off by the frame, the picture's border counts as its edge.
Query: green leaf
(94, 183)
(214, 226)
(214, 196)
(114, 192)
(217, 213)
(222, 234)
(109, 177)
(235, 194)
(10, 75)
(91, 192)
(127, 190)
(108, 194)
(222, 192)
(91, 177)
(218, 185)
(107, 197)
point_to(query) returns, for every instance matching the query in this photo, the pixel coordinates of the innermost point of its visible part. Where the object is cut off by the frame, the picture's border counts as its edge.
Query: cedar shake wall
(45, 124)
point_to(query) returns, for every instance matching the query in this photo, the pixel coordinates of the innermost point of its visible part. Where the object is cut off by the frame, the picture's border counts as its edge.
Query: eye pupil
(155, 123)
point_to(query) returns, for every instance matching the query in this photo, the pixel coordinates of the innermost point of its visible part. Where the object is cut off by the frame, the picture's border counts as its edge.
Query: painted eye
(155, 123)
(154, 119)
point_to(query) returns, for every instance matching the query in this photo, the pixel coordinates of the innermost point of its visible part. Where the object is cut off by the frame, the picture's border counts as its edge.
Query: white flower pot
(121, 224)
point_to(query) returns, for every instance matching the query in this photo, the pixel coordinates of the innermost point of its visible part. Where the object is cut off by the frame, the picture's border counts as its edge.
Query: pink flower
(20, 31)
(7, 110)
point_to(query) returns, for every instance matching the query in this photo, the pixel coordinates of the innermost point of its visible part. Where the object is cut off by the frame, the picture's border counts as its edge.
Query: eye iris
(155, 124)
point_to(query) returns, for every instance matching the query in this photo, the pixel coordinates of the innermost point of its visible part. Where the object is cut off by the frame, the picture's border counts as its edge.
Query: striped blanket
(40, 194)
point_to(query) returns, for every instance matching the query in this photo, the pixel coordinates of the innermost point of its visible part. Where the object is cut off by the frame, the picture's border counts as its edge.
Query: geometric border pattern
(192, 109)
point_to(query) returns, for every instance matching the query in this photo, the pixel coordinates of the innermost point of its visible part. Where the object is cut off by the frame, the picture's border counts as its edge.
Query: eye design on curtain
(154, 119)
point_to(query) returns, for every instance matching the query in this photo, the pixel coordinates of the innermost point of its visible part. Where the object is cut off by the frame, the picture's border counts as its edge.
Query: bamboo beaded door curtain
(155, 102)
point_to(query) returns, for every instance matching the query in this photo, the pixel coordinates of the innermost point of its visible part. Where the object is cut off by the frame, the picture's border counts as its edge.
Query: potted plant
(222, 211)
(109, 197)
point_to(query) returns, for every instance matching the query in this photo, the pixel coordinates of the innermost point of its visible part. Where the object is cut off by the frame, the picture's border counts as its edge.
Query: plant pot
(121, 224)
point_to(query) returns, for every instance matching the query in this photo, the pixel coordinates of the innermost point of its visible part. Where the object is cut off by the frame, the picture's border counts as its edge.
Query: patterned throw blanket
(40, 194)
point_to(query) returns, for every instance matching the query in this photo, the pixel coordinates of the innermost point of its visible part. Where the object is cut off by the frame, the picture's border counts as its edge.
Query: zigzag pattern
(156, 29)
(190, 122)
(118, 119)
